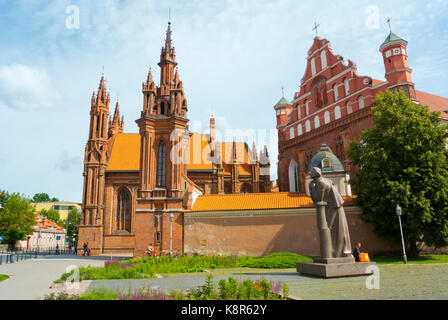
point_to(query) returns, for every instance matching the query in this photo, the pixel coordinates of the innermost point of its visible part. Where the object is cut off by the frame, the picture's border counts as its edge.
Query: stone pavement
(30, 279)
(418, 281)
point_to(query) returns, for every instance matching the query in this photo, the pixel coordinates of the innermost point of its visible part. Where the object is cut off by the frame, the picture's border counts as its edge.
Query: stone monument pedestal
(334, 267)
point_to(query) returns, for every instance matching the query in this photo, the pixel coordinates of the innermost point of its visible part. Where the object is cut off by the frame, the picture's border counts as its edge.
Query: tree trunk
(415, 250)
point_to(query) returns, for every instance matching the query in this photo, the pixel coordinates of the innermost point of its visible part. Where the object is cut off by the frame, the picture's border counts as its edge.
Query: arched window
(307, 107)
(299, 114)
(307, 126)
(161, 165)
(162, 107)
(299, 129)
(349, 107)
(293, 176)
(323, 59)
(337, 112)
(336, 94)
(313, 67)
(360, 102)
(291, 133)
(346, 86)
(327, 117)
(123, 210)
(316, 122)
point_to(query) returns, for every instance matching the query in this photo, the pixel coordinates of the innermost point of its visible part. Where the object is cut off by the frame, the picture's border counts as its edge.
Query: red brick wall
(263, 233)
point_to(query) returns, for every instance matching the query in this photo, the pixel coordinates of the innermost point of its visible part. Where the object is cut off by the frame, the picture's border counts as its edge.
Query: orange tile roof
(434, 103)
(255, 201)
(125, 154)
(45, 223)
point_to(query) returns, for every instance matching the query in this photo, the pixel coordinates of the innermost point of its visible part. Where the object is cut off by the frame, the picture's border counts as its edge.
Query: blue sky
(233, 56)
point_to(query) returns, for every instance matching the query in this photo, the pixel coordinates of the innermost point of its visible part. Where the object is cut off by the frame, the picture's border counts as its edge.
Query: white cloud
(23, 87)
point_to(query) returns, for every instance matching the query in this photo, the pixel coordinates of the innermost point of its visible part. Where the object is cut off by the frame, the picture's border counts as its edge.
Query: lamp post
(398, 211)
(171, 233)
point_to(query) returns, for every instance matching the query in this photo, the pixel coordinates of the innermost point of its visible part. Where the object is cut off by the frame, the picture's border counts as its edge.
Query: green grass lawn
(3, 277)
(430, 258)
(145, 268)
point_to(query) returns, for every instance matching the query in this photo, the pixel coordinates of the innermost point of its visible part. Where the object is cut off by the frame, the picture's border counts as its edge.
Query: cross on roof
(388, 22)
(315, 27)
(283, 93)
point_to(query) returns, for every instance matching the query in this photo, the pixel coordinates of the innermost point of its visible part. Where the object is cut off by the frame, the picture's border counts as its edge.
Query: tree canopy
(43, 197)
(74, 219)
(51, 214)
(17, 218)
(402, 161)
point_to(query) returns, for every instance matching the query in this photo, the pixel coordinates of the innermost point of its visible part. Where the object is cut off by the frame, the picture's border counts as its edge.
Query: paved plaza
(31, 279)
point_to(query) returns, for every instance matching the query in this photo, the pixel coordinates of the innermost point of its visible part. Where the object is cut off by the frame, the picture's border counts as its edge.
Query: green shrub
(274, 260)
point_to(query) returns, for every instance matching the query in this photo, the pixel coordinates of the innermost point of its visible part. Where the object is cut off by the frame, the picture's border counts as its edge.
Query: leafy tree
(4, 196)
(43, 197)
(17, 219)
(72, 222)
(402, 161)
(51, 214)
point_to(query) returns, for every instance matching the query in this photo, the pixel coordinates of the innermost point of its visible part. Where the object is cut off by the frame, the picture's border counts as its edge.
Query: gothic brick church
(333, 107)
(137, 185)
(186, 191)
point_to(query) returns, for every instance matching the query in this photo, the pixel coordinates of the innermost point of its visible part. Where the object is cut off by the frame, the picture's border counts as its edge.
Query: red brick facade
(333, 105)
(137, 186)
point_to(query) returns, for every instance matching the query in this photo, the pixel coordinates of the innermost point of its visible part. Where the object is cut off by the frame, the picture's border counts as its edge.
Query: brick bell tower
(95, 162)
(396, 65)
(164, 140)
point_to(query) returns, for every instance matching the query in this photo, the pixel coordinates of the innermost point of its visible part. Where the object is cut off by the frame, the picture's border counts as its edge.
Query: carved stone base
(334, 269)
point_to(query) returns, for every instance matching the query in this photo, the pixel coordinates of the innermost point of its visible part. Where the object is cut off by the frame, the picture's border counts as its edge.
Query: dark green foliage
(43, 197)
(403, 160)
(74, 219)
(17, 219)
(4, 196)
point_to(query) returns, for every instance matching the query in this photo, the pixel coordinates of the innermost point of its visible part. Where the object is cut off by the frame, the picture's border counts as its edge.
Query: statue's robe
(335, 215)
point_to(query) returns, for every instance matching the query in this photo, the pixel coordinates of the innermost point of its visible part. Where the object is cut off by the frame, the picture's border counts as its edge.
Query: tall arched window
(337, 112)
(360, 102)
(346, 86)
(316, 122)
(323, 59)
(123, 210)
(291, 133)
(299, 114)
(307, 126)
(307, 107)
(293, 176)
(299, 129)
(327, 117)
(313, 67)
(161, 165)
(349, 107)
(162, 107)
(336, 94)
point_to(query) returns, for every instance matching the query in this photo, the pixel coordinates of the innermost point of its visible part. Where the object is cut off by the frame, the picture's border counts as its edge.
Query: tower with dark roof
(396, 64)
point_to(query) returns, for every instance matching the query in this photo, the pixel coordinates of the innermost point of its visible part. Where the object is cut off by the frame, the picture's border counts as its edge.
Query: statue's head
(315, 172)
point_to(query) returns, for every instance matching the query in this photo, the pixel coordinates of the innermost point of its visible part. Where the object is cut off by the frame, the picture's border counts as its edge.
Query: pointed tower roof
(392, 38)
(102, 95)
(282, 102)
(168, 36)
